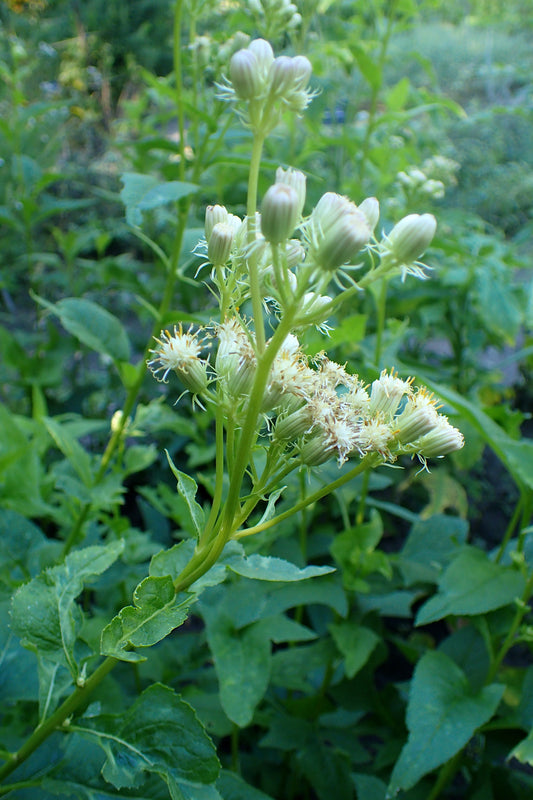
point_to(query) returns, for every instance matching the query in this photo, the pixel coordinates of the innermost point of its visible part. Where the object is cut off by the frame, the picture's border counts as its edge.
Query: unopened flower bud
(370, 208)
(343, 240)
(220, 243)
(296, 179)
(245, 74)
(294, 253)
(264, 55)
(214, 215)
(316, 450)
(302, 72)
(279, 213)
(411, 237)
(282, 76)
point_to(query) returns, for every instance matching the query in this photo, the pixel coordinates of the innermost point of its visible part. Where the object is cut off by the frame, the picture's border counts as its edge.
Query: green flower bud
(279, 213)
(282, 75)
(370, 208)
(214, 215)
(343, 240)
(245, 75)
(410, 238)
(220, 243)
(264, 56)
(296, 179)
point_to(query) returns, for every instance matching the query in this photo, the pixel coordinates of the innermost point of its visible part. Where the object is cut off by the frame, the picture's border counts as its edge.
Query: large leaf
(159, 734)
(157, 611)
(430, 546)
(516, 455)
(472, 584)
(44, 613)
(144, 193)
(92, 325)
(442, 716)
(242, 660)
(268, 568)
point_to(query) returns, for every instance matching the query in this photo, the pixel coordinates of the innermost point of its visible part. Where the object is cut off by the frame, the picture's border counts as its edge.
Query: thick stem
(71, 704)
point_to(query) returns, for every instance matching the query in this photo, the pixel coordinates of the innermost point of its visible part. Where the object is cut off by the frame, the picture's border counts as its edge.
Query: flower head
(179, 352)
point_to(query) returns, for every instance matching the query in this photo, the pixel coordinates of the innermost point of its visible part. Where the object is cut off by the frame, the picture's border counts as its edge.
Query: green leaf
(370, 71)
(71, 449)
(516, 455)
(144, 193)
(20, 539)
(430, 546)
(396, 96)
(301, 668)
(268, 568)
(442, 716)
(472, 584)
(157, 611)
(355, 642)
(233, 787)
(242, 662)
(159, 734)
(92, 325)
(325, 768)
(524, 750)
(187, 488)
(44, 613)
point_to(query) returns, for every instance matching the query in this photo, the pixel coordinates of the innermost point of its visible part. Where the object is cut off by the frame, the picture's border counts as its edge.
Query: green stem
(251, 208)
(53, 722)
(375, 92)
(370, 461)
(381, 305)
(510, 528)
(445, 775)
(509, 640)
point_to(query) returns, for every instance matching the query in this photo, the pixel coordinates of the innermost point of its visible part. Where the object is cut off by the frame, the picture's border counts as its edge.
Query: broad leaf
(144, 193)
(442, 716)
(159, 734)
(44, 613)
(157, 611)
(242, 662)
(268, 568)
(92, 325)
(472, 584)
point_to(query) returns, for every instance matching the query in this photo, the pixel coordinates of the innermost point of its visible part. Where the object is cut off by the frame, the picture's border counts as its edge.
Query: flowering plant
(290, 427)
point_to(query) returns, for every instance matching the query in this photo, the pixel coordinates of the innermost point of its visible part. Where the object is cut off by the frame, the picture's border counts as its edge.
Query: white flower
(179, 352)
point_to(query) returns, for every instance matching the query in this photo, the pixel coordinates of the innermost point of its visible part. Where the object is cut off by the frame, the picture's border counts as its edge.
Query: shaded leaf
(92, 325)
(355, 642)
(44, 613)
(159, 734)
(442, 716)
(144, 193)
(472, 584)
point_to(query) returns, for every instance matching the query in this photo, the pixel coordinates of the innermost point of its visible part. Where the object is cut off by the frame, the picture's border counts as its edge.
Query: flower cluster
(315, 411)
(267, 84)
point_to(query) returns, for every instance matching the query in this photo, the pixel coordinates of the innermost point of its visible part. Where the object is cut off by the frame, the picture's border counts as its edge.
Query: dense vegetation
(238, 582)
